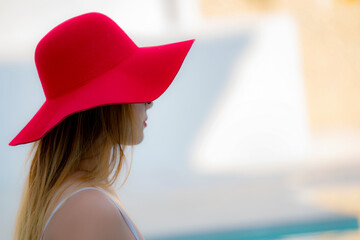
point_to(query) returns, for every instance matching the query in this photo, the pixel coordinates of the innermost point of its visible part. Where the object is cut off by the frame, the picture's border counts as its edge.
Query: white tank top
(131, 226)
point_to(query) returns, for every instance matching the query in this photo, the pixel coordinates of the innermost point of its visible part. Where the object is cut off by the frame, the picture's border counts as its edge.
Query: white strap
(132, 228)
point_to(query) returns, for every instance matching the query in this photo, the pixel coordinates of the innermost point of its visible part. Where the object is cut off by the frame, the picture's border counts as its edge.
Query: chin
(138, 140)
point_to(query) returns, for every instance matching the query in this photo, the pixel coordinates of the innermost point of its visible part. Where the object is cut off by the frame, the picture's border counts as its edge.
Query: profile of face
(140, 115)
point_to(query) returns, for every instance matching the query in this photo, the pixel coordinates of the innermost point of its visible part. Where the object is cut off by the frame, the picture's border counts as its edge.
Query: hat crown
(78, 50)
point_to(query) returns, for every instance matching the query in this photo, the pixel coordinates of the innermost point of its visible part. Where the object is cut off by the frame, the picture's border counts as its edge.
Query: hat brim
(142, 77)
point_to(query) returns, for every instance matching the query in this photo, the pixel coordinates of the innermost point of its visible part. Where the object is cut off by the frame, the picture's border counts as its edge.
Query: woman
(98, 86)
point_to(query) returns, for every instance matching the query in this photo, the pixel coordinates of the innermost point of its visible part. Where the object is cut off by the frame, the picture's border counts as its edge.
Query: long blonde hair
(98, 132)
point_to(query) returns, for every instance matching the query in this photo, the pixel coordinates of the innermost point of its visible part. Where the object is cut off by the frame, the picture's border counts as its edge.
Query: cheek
(139, 112)
(137, 109)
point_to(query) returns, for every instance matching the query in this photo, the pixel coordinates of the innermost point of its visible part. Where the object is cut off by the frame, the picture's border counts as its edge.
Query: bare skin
(140, 116)
(90, 214)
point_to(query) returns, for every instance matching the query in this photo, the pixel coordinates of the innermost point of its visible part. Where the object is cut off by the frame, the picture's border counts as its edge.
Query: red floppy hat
(89, 61)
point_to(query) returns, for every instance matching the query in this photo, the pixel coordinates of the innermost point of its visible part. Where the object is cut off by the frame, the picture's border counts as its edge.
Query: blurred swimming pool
(288, 231)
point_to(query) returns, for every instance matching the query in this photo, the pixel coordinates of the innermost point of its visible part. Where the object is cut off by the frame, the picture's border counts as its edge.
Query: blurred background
(258, 137)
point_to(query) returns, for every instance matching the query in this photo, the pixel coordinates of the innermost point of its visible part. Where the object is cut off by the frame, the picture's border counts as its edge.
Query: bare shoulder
(88, 214)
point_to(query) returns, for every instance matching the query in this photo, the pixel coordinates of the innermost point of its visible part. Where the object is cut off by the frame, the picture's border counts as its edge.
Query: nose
(148, 105)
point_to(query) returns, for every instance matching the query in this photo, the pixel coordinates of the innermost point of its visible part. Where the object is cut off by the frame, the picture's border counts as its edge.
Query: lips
(144, 123)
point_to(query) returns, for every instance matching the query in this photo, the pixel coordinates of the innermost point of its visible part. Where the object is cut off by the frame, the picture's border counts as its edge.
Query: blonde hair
(98, 133)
